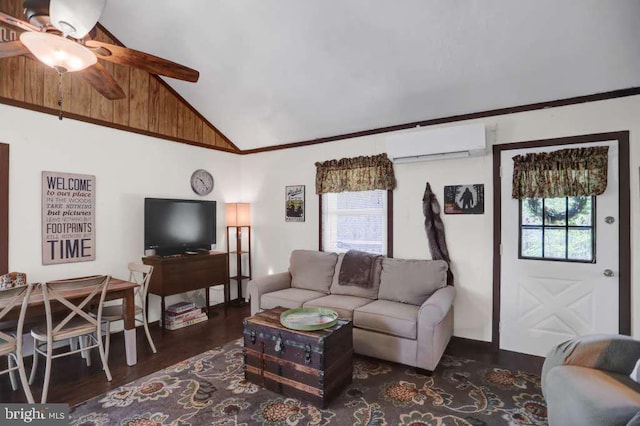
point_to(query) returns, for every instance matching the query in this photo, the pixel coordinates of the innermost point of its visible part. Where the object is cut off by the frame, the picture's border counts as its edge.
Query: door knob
(607, 273)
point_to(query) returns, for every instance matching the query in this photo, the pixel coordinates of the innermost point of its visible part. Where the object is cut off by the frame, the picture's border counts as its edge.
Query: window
(356, 201)
(355, 221)
(558, 229)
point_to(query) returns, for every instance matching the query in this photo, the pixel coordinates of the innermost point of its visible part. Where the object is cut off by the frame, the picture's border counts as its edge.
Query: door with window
(559, 261)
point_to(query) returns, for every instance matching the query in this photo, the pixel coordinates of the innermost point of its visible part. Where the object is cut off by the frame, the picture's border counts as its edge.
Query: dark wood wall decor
(151, 106)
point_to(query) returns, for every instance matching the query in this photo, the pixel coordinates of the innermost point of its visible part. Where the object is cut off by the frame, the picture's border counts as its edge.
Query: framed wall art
(294, 203)
(464, 199)
(68, 218)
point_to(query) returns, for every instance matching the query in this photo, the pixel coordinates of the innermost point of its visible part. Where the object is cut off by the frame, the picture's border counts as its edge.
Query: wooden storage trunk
(311, 365)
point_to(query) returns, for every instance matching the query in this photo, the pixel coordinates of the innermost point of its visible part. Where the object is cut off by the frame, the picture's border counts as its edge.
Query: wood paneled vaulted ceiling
(281, 71)
(151, 107)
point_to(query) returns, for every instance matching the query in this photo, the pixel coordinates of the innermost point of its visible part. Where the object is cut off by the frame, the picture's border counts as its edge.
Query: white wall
(128, 167)
(469, 237)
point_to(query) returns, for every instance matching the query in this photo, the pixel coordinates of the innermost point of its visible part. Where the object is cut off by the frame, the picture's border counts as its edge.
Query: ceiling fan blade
(12, 48)
(101, 80)
(143, 61)
(10, 20)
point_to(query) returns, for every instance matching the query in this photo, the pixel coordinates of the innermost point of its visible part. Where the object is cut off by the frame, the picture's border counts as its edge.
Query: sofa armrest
(608, 352)
(267, 284)
(435, 327)
(434, 309)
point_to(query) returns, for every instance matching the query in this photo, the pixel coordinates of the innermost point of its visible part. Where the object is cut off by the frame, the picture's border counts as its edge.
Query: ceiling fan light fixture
(66, 27)
(75, 18)
(59, 53)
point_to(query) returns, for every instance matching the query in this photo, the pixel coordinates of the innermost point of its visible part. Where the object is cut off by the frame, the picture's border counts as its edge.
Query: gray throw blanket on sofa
(357, 269)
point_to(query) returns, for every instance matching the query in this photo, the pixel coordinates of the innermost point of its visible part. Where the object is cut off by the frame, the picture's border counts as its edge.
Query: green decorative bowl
(309, 319)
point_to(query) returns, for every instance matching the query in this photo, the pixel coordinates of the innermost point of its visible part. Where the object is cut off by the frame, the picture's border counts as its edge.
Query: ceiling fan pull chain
(60, 94)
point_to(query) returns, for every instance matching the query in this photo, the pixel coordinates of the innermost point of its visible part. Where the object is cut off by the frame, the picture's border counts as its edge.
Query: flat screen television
(179, 226)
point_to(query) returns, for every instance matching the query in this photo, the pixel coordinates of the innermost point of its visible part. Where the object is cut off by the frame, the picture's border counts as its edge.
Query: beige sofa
(404, 316)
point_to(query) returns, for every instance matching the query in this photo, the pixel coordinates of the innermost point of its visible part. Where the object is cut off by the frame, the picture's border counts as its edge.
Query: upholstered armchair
(586, 381)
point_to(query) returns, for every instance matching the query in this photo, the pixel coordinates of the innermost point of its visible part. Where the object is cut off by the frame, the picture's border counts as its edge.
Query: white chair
(141, 275)
(77, 323)
(10, 343)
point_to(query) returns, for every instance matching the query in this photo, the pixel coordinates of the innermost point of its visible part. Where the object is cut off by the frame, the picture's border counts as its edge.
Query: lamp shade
(58, 52)
(238, 214)
(75, 18)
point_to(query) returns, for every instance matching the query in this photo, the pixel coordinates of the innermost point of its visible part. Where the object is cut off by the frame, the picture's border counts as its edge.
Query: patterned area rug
(209, 389)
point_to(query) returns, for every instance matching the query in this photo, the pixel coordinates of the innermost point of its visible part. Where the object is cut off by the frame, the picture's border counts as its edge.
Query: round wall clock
(201, 182)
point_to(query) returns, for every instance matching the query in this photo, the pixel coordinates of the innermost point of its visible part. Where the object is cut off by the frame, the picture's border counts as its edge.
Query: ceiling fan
(59, 33)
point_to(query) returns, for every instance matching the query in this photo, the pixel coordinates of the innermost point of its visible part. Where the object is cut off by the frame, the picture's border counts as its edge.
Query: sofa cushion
(411, 281)
(352, 290)
(384, 316)
(312, 270)
(288, 298)
(343, 305)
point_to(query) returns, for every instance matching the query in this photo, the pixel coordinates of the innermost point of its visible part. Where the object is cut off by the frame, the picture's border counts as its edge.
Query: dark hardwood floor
(482, 351)
(73, 382)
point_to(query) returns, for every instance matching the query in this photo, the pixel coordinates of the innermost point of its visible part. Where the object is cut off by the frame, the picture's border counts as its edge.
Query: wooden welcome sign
(68, 218)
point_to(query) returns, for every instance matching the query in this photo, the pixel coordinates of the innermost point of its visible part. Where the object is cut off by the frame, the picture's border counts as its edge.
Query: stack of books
(183, 314)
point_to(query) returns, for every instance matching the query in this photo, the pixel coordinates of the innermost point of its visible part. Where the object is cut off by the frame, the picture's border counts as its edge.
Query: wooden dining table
(117, 289)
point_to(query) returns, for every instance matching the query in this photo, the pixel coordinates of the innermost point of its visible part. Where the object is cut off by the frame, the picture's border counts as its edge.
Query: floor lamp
(239, 217)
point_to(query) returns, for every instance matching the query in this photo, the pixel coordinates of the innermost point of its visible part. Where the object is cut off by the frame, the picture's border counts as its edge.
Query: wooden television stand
(179, 274)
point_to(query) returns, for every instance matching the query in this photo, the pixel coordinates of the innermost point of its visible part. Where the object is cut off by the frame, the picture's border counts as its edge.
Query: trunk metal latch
(307, 354)
(279, 345)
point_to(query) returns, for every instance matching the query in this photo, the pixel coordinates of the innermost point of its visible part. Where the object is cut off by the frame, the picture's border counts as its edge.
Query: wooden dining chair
(76, 324)
(10, 342)
(141, 275)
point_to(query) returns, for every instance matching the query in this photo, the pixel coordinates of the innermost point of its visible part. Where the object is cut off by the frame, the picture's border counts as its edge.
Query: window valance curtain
(355, 174)
(564, 173)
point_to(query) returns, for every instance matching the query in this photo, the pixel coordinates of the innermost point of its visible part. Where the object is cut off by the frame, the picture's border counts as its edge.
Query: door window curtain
(565, 173)
(355, 174)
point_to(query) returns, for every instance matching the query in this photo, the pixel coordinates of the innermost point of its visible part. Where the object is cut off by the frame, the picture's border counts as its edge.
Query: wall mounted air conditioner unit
(435, 144)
